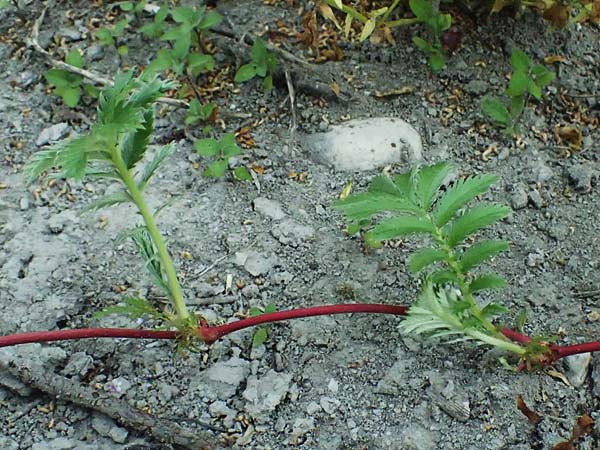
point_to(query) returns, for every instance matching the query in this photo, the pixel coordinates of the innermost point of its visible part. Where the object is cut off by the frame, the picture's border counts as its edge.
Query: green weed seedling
(221, 150)
(436, 23)
(263, 64)
(68, 85)
(114, 150)
(111, 36)
(261, 334)
(526, 80)
(413, 203)
(183, 55)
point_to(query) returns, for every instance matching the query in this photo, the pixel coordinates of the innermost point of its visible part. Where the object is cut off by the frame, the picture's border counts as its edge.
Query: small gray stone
(7, 443)
(418, 438)
(26, 78)
(264, 394)
(302, 426)
(102, 424)
(52, 134)
(95, 52)
(476, 87)
(79, 364)
(519, 198)
(282, 277)
(312, 408)
(536, 199)
(206, 290)
(70, 34)
(291, 233)
(57, 222)
(257, 264)
(268, 208)
(366, 144)
(60, 443)
(24, 203)
(329, 404)
(541, 173)
(118, 386)
(118, 434)
(222, 380)
(578, 366)
(220, 409)
(581, 177)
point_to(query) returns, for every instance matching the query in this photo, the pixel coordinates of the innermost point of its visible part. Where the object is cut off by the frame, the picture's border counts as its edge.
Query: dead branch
(62, 388)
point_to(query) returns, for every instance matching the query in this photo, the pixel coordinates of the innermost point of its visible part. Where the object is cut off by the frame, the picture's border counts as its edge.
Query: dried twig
(163, 430)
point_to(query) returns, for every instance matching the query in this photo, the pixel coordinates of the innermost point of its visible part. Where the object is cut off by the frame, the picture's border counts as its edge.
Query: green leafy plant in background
(526, 80)
(111, 36)
(221, 150)
(436, 23)
(263, 64)
(183, 55)
(114, 149)
(68, 85)
(261, 334)
(414, 203)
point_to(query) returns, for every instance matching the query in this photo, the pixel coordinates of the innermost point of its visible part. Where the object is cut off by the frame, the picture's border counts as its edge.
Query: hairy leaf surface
(473, 220)
(458, 195)
(479, 252)
(422, 258)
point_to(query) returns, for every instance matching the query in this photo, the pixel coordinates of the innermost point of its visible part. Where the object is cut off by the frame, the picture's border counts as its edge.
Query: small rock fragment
(268, 208)
(418, 438)
(578, 368)
(476, 87)
(264, 394)
(333, 386)
(536, 199)
(52, 134)
(301, 427)
(291, 233)
(79, 364)
(118, 386)
(581, 176)
(518, 199)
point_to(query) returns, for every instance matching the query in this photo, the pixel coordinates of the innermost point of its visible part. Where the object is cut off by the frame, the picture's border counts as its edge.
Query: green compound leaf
(487, 281)
(458, 195)
(229, 146)
(422, 9)
(444, 276)
(71, 96)
(492, 310)
(39, 163)
(519, 60)
(207, 147)
(473, 220)
(437, 61)
(134, 307)
(422, 44)
(150, 168)
(242, 174)
(245, 73)
(518, 84)
(478, 253)
(383, 195)
(260, 337)
(497, 110)
(399, 226)
(134, 144)
(429, 181)
(210, 20)
(216, 169)
(74, 58)
(115, 198)
(423, 258)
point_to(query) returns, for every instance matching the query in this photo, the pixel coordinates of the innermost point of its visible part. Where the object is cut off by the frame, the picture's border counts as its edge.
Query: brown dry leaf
(244, 138)
(564, 446)
(558, 375)
(327, 12)
(551, 59)
(558, 15)
(583, 426)
(394, 92)
(310, 34)
(382, 34)
(532, 416)
(571, 135)
(499, 5)
(335, 88)
(258, 169)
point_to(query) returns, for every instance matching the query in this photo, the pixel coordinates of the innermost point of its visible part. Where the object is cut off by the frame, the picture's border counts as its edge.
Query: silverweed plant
(114, 149)
(414, 203)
